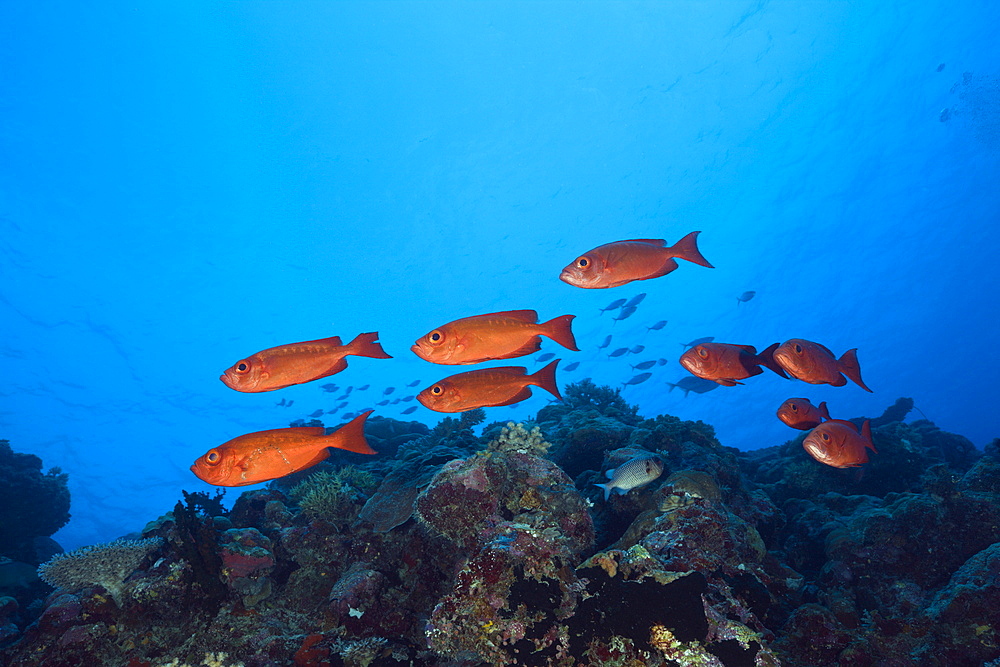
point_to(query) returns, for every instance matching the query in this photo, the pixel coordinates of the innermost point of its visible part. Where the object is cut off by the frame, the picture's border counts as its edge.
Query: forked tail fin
(367, 345)
(559, 329)
(351, 436)
(546, 379)
(687, 248)
(766, 359)
(849, 366)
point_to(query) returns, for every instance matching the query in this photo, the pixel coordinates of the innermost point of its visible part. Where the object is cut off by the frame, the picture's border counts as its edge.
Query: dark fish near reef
(544, 357)
(726, 363)
(332, 412)
(316, 413)
(691, 383)
(643, 365)
(409, 410)
(699, 341)
(413, 384)
(638, 379)
(388, 390)
(264, 455)
(632, 474)
(656, 327)
(572, 367)
(624, 314)
(619, 352)
(296, 363)
(746, 296)
(838, 443)
(621, 262)
(617, 303)
(801, 414)
(607, 341)
(512, 333)
(504, 385)
(815, 364)
(636, 349)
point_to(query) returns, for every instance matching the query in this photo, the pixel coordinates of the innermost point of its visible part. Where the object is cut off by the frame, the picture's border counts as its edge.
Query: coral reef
(35, 504)
(728, 559)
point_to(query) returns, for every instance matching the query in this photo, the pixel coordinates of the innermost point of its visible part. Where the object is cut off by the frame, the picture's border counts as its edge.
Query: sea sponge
(105, 565)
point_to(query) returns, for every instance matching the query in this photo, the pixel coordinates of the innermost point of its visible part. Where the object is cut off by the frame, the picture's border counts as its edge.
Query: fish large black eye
(798, 349)
(826, 436)
(583, 262)
(703, 353)
(436, 390)
(794, 407)
(435, 336)
(213, 456)
(242, 367)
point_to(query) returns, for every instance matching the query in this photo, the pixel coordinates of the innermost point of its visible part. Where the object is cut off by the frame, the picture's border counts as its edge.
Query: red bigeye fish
(512, 333)
(488, 387)
(618, 263)
(838, 443)
(801, 414)
(815, 364)
(295, 363)
(258, 457)
(726, 363)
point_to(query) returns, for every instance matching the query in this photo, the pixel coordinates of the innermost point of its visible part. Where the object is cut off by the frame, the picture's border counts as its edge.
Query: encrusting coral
(104, 565)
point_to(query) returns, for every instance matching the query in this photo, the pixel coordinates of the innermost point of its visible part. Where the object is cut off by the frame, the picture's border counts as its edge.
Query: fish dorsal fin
(824, 411)
(526, 316)
(747, 348)
(657, 242)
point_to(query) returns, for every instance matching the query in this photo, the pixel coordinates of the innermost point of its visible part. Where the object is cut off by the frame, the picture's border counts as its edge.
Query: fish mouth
(568, 276)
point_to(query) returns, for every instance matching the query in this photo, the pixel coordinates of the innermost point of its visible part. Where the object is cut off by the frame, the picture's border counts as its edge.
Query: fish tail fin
(367, 345)
(546, 379)
(687, 248)
(672, 386)
(607, 489)
(866, 433)
(849, 366)
(823, 410)
(559, 329)
(351, 436)
(766, 359)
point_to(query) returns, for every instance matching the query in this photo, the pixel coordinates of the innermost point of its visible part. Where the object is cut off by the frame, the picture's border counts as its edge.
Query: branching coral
(106, 565)
(517, 438)
(330, 496)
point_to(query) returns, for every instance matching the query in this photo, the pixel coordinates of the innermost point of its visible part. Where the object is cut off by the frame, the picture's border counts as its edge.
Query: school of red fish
(266, 455)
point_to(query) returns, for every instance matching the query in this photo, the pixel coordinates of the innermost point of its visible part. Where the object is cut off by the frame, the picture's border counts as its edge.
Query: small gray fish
(385, 402)
(632, 474)
(635, 301)
(394, 401)
(407, 399)
(388, 391)
(281, 404)
(289, 404)
(617, 303)
(329, 387)
(572, 367)
(341, 397)
(544, 357)
(619, 352)
(607, 341)
(644, 365)
(661, 361)
(362, 388)
(332, 412)
(342, 405)
(699, 341)
(636, 349)
(746, 296)
(626, 313)
(656, 327)
(638, 379)
(413, 384)
(316, 413)
(348, 390)
(696, 384)
(409, 410)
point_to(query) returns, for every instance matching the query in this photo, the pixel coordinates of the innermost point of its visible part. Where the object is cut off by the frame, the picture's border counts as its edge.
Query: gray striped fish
(632, 474)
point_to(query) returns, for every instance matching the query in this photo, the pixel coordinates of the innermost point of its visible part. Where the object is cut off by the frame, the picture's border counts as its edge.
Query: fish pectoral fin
(243, 464)
(669, 265)
(322, 455)
(728, 383)
(533, 345)
(522, 395)
(840, 381)
(338, 365)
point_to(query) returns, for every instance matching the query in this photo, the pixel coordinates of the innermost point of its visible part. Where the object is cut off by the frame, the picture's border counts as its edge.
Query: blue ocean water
(186, 184)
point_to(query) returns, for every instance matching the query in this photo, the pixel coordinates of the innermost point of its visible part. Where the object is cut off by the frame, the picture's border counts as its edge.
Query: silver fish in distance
(632, 474)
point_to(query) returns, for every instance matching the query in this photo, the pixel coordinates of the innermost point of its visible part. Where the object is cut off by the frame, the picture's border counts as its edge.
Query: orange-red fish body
(488, 387)
(264, 455)
(814, 363)
(840, 444)
(621, 262)
(801, 414)
(296, 363)
(726, 363)
(504, 335)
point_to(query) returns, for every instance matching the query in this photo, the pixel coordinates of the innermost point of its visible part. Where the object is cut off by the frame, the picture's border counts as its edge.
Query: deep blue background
(184, 184)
